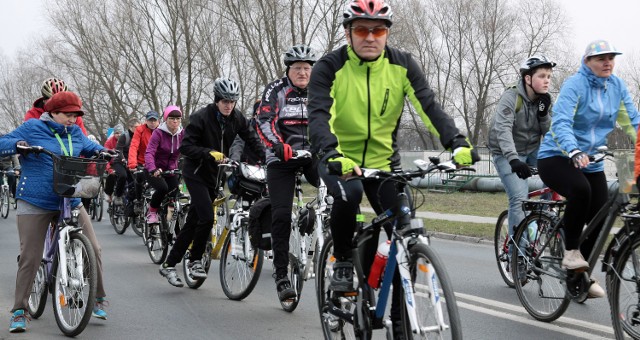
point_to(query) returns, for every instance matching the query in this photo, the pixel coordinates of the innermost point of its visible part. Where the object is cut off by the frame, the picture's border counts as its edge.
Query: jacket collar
(57, 127)
(369, 63)
(594, 81)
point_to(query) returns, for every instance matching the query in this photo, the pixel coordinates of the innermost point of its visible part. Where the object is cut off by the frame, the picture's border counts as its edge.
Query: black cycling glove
(520, 168)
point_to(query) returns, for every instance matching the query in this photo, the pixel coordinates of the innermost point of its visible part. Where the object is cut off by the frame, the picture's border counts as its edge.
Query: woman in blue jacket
(586, 111)
(38, 203)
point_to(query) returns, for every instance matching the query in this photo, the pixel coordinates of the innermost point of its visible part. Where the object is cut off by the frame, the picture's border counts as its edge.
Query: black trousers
(122, 177)
(347, 197)
(585, 192)
(281, 182)
(197, 228)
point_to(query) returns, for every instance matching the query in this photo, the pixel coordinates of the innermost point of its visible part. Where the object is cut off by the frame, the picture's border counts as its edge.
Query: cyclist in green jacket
(356, 98)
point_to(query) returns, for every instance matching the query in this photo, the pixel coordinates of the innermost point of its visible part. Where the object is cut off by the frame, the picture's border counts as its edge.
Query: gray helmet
(300, 52)
(226, 88)
(534, 62)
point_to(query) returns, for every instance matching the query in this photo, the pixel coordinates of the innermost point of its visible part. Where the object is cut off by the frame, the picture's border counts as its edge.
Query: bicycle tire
(117, 218)
(91, 209)
(297, 282)
(241, 270)
(137, 224)
(100, 204)
(622, 289)
(4, 209)
(428, 271)
(544, 296)
(157, 246)
(38, 297)
(333, 327)
(75, 304)
(191, 282)
(501, 248)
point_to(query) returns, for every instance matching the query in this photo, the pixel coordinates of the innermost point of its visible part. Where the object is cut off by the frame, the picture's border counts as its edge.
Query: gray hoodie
(516, 133)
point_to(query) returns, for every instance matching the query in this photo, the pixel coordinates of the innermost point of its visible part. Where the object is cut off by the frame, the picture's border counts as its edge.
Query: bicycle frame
(66, 225)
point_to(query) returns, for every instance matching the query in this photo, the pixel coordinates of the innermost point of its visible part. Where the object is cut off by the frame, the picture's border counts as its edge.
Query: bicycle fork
(63, 243)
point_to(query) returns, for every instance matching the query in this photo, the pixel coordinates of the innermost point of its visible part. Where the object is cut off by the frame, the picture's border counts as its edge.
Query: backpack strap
(519, 100)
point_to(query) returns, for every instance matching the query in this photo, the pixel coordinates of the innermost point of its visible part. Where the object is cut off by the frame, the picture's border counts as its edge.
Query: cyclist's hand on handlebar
(343, 166)
(465, 155)
(157, 172)
(216, 155)
(283, 151)
(580, 159)
(520, 168)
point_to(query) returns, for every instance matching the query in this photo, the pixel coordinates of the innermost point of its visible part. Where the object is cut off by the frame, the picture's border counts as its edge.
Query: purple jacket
(163, 149)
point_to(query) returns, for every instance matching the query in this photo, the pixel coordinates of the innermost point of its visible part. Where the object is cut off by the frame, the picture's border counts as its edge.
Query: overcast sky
(590, 19)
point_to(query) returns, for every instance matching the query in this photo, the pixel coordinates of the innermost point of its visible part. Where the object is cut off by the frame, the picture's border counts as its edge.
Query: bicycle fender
(619, 242)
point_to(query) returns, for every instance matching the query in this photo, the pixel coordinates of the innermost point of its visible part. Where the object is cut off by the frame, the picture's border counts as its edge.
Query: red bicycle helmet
(367, 9)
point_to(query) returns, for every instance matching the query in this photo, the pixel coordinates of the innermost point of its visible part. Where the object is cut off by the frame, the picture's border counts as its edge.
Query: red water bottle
(379, 262)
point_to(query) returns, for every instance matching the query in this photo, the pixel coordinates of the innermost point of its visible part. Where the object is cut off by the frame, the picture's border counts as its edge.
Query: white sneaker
(595, 290)
(573, 260)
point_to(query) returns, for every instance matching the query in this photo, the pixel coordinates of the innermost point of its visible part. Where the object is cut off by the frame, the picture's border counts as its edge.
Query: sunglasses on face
(363, 32)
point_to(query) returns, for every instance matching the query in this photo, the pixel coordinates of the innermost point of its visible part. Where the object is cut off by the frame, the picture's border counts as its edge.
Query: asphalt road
(144, 306)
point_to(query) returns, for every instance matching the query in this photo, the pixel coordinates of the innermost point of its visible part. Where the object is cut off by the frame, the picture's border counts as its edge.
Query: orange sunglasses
(363, 32)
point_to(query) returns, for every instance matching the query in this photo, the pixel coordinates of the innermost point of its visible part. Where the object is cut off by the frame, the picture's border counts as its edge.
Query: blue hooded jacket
(584, 114)
(36, 179)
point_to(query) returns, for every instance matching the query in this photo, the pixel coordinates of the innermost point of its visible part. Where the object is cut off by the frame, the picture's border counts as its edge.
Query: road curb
(462, 238)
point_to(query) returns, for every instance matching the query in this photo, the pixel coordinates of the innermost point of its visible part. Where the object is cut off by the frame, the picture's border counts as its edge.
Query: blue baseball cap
(152, 115)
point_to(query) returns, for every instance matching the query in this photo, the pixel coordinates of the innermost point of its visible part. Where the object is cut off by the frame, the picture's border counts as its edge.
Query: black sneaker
(342, 278)
(522, 271)
(283, 286)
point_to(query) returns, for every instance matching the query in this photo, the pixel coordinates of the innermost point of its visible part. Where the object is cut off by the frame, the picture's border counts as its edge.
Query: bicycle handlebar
(423, 169)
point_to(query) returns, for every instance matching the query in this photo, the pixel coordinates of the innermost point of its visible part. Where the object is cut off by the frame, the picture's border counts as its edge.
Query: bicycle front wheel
(435, 303)
(73, 301)
(240, 265)
(100, 203)
(330, 305)
(501, 247)
(4, 204)
(38, 296)
(623, 288)
(117, 218)
(157, 244)
(537, 269)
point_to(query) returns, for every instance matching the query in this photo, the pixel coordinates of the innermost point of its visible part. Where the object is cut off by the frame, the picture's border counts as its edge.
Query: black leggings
(122, 177)
(163, 186)
(585, 192)
(281, 182)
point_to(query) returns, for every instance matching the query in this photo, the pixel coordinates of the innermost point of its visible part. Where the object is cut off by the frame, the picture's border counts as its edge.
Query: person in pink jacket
(162, 154)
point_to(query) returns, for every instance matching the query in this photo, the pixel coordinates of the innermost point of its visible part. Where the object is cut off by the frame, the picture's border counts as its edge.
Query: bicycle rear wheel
(240, 265)
(540, 280)
(331, 305)
(624, 288)
(73, 302)
(157, 244)
(4, 203)
(38, 296)
(501, 247)
(434, 300)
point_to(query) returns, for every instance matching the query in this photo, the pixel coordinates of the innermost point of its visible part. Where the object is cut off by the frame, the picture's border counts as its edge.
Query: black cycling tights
(585, 192)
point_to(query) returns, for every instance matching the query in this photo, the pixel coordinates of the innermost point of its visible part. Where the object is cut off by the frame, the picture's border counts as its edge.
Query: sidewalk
(448, 217)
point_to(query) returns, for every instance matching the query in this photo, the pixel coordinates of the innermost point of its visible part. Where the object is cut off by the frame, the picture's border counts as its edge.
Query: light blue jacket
(36, 179)
(584, 114)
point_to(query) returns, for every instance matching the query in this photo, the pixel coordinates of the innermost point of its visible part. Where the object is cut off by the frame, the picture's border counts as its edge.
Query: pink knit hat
(172, 111)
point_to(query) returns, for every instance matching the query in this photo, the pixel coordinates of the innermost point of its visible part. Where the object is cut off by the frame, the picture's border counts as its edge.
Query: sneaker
(170, 274)
(342, 278)
(152, 217)
(595, 290)
(98, 309)
(117, 200)
(522, 271)
(18, 321)
(573, 260)
(283, 287)
(196, 270)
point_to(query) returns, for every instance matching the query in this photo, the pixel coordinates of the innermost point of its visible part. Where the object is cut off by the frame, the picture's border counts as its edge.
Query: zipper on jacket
(384, 103)
(366, 142)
